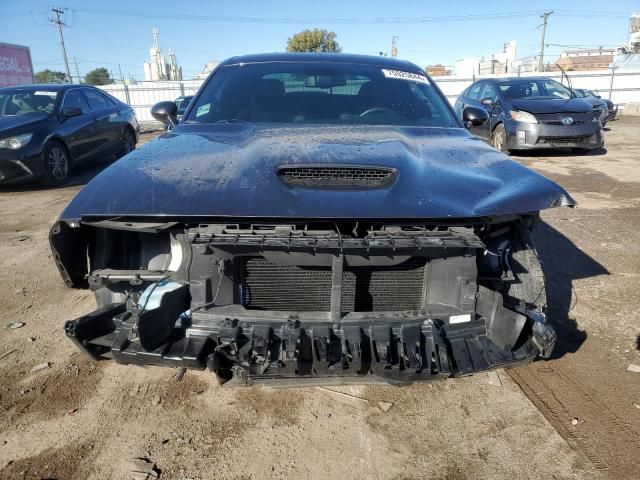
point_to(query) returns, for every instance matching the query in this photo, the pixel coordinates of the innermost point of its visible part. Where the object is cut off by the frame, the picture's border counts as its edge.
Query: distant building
(634, 33)
(492, 66)
(208, 68)
(438, 70)
(627, 58)
(500, 62)
(157, 68)
(585, 60)
(467, 67)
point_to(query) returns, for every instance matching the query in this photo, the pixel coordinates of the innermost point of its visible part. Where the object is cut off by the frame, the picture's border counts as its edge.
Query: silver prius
(533, 113)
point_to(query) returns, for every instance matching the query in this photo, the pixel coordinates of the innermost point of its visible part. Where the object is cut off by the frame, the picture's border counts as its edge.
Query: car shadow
(78, 176)
(559, 152)
(562, 263)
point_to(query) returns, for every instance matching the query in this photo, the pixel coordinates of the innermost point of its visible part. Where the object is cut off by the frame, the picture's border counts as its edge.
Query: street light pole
(394, 49)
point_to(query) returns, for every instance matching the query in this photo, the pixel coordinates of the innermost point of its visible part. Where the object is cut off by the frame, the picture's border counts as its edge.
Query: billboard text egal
(15, 65)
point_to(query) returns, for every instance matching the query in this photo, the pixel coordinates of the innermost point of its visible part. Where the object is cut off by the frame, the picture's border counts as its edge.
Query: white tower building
(157, 68)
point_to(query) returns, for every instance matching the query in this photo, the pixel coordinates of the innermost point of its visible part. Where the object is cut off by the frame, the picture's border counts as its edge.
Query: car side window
(97, 101)
(74, 99)
(490, 91)
(474, 91)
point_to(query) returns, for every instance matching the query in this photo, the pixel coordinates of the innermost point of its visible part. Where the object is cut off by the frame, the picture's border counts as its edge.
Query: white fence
(625, 88)
(146, 94)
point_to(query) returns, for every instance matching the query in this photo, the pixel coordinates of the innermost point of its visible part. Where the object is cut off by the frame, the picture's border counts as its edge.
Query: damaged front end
(309, 302)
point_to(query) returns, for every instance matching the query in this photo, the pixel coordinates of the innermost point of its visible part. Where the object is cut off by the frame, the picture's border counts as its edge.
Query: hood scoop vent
(337, 176)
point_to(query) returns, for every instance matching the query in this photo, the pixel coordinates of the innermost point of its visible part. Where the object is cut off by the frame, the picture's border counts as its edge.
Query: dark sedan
(597, 104)
(531, 113)
(45, 130)
(612, 108)
(314, 216)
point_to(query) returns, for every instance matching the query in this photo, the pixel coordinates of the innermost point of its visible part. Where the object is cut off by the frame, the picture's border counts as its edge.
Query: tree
(98, 76)
(49, 76)
(315, 40)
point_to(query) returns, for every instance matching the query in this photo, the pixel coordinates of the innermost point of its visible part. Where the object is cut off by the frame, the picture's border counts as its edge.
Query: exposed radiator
(270, 286)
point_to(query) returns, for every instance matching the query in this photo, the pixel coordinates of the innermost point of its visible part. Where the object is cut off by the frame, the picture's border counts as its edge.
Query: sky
(109, 33)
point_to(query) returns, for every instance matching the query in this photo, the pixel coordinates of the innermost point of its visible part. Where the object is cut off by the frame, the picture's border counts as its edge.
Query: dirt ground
(575, 416)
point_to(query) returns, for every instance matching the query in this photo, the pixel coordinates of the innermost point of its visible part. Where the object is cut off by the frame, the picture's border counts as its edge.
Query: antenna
(564, 74)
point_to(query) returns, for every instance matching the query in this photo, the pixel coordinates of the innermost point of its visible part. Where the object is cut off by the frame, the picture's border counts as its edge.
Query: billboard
(15, 65)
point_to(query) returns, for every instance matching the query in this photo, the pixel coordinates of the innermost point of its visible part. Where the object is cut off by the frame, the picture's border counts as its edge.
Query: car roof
(511, 79)
(54, 87)
(322, 57)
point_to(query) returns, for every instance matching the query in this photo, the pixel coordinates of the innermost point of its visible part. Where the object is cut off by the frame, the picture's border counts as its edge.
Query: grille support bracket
(337, 269)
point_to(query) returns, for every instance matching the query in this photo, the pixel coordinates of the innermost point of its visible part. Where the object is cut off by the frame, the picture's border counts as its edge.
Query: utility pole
(544, 17)
(77, 71)
(60, 23)
(394, 48)
(121, 77)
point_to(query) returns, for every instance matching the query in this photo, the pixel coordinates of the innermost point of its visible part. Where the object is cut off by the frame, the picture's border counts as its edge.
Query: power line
(60, 23)
(278, 20)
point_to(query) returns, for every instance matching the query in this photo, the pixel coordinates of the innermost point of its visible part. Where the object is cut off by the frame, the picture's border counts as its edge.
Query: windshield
(320, 92)
(27, 102)
(535, 88)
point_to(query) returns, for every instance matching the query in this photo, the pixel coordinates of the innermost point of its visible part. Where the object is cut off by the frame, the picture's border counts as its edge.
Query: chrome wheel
(58, 163)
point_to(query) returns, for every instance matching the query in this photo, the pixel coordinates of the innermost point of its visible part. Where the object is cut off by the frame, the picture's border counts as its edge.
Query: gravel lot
(575, 416)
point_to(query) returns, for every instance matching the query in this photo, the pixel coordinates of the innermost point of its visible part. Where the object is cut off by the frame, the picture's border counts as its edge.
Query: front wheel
(499, 139)
(57, 164)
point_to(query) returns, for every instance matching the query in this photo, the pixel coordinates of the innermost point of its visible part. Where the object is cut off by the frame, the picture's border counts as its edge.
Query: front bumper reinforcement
(272, 352)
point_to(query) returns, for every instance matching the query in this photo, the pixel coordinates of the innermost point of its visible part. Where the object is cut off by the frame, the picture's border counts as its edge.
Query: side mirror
(487, 101)
(474, 117)
(69, 112)
(165, 112)
(598, 96)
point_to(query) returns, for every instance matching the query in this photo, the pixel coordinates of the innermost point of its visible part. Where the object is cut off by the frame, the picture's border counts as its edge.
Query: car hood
(573, 105)
(232, 171)
(11, 123)
(596, 102)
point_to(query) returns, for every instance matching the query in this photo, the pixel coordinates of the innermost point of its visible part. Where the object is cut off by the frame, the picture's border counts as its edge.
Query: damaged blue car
(313, 218)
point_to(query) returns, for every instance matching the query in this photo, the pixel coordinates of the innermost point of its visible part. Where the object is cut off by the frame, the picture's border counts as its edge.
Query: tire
(499, 139)
(128, 142)
(57, 163)
(530, 285)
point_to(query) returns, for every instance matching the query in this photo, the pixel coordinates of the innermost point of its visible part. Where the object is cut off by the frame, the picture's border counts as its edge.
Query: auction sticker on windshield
(203, 109)
(415, 77)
